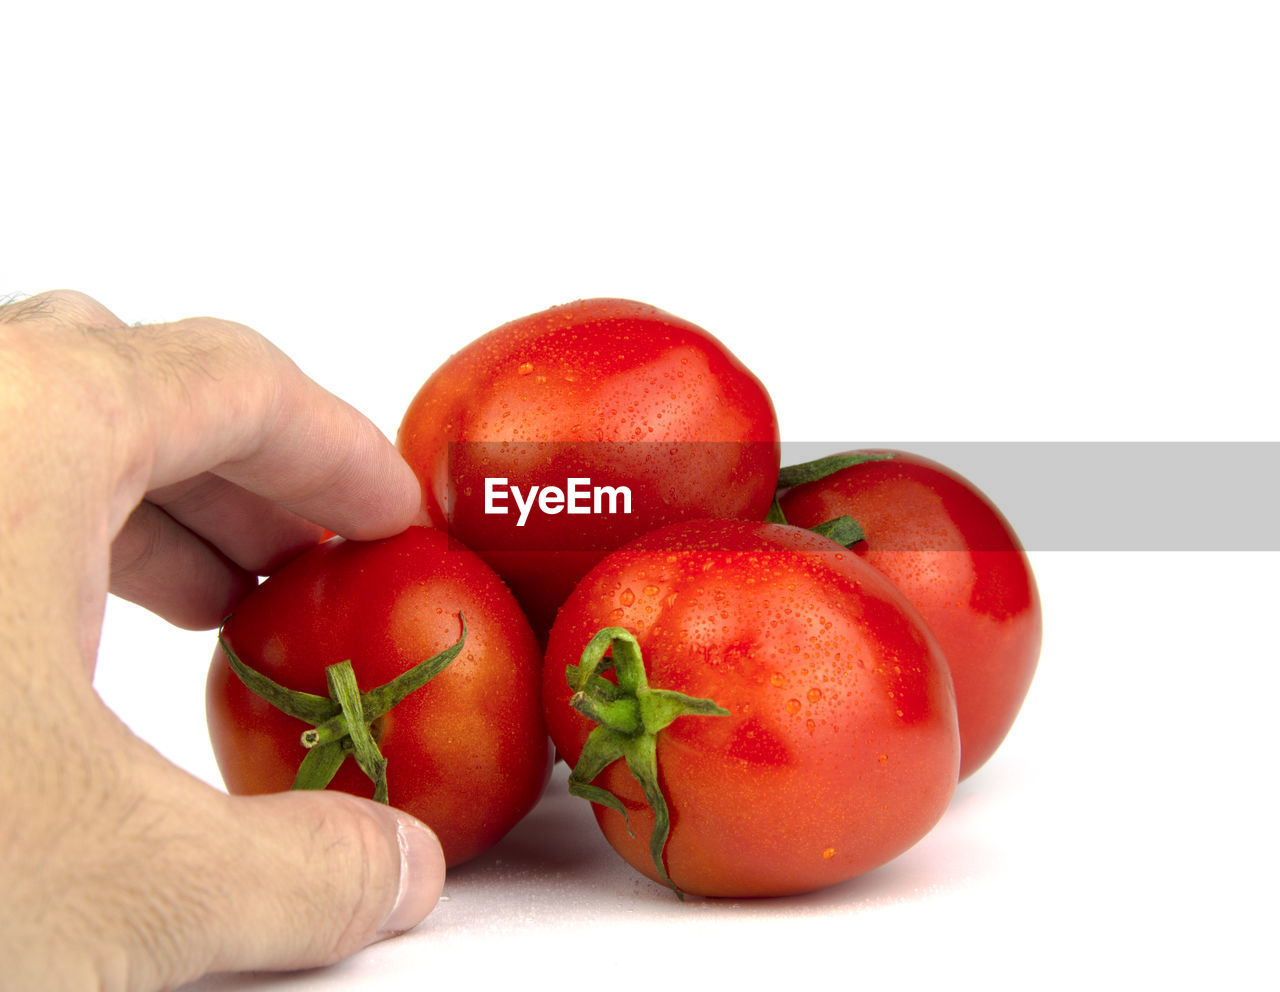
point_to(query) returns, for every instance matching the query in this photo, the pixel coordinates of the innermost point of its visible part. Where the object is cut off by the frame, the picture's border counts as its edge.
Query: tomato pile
(765, 680)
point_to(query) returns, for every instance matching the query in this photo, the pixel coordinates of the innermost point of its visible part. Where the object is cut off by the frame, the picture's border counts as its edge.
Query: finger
(254, 532)
(216, 396)
(159, 564)
(315, 876)
(191, 551)
(176, 400)
(190, 881)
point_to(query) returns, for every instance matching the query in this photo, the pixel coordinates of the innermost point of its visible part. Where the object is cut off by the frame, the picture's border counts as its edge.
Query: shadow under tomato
(557, 857)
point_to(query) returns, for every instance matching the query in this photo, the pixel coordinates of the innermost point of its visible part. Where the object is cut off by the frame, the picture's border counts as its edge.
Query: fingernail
(421, 876)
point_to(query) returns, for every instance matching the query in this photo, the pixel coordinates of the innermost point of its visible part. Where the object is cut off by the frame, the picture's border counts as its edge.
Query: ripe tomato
(839, 747)
(611, 391)
(955, 556)
(467, 753)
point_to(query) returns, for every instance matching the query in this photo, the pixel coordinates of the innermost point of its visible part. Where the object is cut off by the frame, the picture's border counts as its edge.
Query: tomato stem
(343, 688)
(631, 715)
(843, 529)
(341, 723)
(820, 468)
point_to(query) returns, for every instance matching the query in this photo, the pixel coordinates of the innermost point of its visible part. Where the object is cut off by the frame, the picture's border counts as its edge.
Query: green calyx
(843, 529)
(820, 468)
(631, 715)
(342, 723)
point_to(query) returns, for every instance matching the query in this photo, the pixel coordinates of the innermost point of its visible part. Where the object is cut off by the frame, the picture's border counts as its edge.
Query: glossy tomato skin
(612, 390)
(841, 748)
(955, 556)
(467, 753)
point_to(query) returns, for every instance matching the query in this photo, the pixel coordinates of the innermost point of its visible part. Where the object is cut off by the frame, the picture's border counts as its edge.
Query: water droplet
(810, 726)
(777, 679)
(627, 597)
(883, 759)
(829, 853)
(651, 590)
(814, 695)
(793, 706)
(525, 369)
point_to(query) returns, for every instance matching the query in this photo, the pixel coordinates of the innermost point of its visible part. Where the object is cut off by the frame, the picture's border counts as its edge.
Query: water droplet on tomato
(651, 590)
(793, 706)
(829, 853)
(777, 679)
(815, 694)
(627, 597)
(525, 369)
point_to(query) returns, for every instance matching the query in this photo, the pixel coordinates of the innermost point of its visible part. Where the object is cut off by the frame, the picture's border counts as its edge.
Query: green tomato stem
(820, 468)
(342, 722)
(343, 688)
(843, 530)
(630, 716)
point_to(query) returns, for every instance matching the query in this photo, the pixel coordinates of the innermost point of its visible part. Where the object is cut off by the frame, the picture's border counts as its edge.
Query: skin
(840, 748)
(170, 464)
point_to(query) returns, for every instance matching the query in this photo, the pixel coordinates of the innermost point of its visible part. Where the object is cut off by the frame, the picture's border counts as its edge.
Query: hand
(171, 464)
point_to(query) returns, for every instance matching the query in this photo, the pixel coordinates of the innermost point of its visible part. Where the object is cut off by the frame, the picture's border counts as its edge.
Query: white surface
(985, 221)
(1124, 834)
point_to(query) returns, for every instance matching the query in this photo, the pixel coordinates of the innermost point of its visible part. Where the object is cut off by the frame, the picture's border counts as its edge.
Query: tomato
(613, 393)
(954, 555)
(837, 746)
(466, 753)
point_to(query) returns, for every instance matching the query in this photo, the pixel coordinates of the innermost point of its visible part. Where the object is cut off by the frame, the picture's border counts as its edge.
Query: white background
(951, 222)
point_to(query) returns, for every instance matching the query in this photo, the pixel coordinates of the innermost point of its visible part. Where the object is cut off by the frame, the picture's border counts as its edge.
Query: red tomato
(954, 555)
(839, 749)
(611, 391)
(467, 753)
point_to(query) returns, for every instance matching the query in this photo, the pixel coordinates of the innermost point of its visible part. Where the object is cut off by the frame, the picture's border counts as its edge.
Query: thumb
(189, 881)
(150, 878)
(302, 879)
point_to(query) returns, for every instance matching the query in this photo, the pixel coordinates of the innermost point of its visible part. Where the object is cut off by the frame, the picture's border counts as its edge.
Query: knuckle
(65, 307)
(203, 337)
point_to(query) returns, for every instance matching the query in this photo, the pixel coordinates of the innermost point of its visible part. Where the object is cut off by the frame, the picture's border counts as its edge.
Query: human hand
(171, 464)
